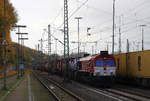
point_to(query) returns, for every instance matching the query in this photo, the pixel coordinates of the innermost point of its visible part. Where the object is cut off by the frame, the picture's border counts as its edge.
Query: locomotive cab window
(101, 63)
(110, 63)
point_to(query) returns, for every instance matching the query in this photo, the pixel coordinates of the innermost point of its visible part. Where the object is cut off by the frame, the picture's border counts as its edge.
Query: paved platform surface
(29, 90)
(10, 81)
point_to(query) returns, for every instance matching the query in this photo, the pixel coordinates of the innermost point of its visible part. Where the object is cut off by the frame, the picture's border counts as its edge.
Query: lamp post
(78, 19)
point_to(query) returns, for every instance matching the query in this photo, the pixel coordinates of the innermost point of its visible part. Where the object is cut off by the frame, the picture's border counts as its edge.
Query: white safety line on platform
(29, 89)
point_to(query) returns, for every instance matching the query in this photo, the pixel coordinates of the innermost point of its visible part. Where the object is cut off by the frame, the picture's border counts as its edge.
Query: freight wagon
(134, 68)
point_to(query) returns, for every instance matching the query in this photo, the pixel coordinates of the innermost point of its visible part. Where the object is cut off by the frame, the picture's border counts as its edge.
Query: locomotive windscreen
(101, 63)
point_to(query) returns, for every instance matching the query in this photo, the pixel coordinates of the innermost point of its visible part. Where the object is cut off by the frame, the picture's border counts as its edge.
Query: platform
(28, 89)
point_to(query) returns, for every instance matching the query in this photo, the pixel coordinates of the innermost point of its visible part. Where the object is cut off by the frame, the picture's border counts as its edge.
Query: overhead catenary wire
(137, 6)
(74, 12)
(83, 5)
(57, 15)
(96, 9)
(124, 27)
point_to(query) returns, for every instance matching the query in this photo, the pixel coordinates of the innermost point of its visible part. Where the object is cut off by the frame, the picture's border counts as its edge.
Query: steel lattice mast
(113, 29)
(49, 46)
(66, 36)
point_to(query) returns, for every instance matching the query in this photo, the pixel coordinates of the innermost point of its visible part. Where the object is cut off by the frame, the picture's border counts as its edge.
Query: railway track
(133, 91)
(120, 95)
(128, 95)
(113, 93)
(59, 93)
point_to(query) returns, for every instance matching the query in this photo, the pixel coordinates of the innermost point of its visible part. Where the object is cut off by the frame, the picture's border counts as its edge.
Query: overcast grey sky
(97, 14)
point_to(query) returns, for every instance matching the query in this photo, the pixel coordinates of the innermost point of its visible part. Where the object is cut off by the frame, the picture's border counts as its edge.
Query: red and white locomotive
(98, 69)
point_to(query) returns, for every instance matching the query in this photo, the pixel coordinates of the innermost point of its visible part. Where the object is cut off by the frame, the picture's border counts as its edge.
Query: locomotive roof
(94, 57)
(88, 58)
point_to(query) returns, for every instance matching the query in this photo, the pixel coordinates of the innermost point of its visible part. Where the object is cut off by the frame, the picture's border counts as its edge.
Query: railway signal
(88, 33)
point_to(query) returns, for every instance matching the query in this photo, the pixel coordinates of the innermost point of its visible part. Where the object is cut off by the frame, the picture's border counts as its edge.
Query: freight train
(99, 69)
(129, 68)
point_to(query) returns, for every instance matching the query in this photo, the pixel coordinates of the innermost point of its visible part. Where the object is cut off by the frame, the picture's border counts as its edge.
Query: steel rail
(128, 92)
(53, 94)
(66, 90)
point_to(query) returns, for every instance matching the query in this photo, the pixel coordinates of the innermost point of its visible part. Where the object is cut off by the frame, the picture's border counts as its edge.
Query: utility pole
(41, 44)
(128, 46)
(56, 52)
(49, 46)
(66, 38)
(119, 40)
(19, 47)
(56, 46)
(22, 65)
(142, 26)
(120, 35)
(41, 50)
(38, 47)
(113, 28)
(78, 19)
(38, 54)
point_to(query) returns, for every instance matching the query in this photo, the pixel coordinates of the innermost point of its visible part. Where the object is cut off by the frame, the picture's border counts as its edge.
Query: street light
(78, 19)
